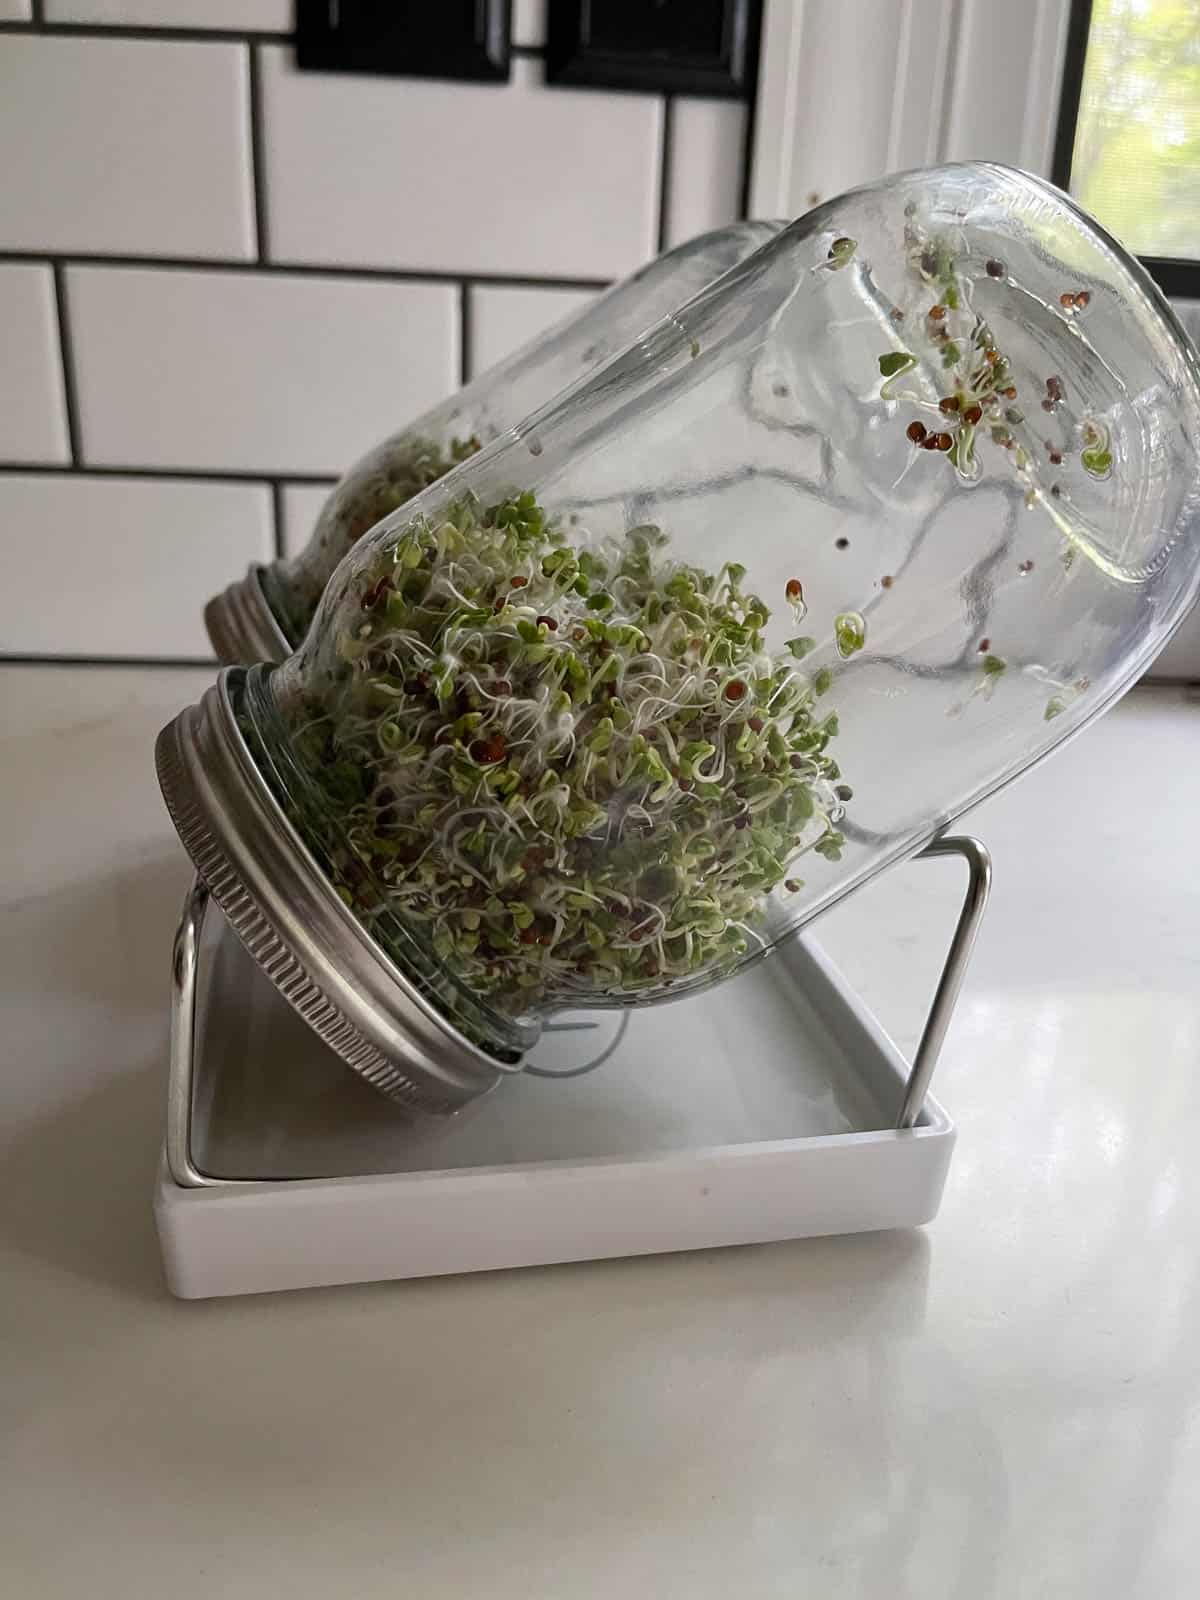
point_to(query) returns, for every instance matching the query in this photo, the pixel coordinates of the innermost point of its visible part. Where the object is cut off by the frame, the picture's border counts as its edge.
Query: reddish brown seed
(936, 313)
(735, 689)
(1025, 568)
(518, 582)
(984, 646)
(488, 751)
(755, 724)
(995, 269)
(1054, 388)
(742, 820)
(991, 356)
(945, 442)
(1082, 300)
(929, 442)
(886, 582)
(973, 414)
(1056, 458)
(685, 784)
(528, 936)
(916, 432)
(792, 885)
(1047, 405)
(550, 623)
(897, 314)
(502, 686)
(1010, 393)
(794, 589)
(1066, 301)
(795, 762)
(950, 404)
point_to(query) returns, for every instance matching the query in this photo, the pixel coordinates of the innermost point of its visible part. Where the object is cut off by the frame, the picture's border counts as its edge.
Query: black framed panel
(701, 47)
(450, 39)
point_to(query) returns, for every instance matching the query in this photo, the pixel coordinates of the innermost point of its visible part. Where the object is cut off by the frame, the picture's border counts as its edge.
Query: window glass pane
(1136, 163)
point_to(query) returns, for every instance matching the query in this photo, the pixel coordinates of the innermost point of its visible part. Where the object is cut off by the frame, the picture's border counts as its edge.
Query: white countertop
(1007, 1404)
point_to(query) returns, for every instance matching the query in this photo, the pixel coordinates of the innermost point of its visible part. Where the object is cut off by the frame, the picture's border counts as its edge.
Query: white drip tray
(763, 1110)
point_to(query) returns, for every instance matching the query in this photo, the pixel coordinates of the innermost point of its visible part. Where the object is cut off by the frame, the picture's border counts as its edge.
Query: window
(1129, 136)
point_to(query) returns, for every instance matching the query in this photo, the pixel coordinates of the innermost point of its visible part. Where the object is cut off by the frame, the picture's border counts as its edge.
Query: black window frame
(1177, 277)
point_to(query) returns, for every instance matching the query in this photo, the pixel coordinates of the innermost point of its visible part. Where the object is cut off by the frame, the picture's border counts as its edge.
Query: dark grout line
(754, 54)
(664, 171)
(15, 659)
(258, 174)
(748, 157)
(47, 469)
(104, 30)
(465, 331)
(67, 355)
(278, 515)
(120, 30)
(298, 269)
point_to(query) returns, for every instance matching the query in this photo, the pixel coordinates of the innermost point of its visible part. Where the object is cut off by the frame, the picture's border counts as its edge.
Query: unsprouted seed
(579, 769)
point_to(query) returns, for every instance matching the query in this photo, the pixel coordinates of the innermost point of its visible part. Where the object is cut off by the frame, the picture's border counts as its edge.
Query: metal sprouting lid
(290, 918)
(241, 625)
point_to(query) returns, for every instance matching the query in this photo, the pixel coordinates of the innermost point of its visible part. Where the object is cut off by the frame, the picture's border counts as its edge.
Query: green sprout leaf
(849, 632)
(896, 362)
(1097, 463)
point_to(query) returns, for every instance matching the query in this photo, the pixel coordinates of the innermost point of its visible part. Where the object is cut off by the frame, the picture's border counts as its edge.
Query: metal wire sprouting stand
(979, 884)
(184, 972)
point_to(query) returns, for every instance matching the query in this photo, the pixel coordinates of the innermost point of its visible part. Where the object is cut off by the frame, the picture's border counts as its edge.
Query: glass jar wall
(266, 614)
(847, 542)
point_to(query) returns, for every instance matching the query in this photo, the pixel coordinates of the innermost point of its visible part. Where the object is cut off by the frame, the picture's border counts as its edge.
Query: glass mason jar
(834, 551)
(263, 616)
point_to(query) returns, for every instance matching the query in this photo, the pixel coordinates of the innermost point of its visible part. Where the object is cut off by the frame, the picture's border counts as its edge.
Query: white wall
(221, 280)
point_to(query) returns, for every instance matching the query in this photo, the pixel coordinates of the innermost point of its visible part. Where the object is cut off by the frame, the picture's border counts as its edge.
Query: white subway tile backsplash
(302, 504)
(255, 16)
(470, 178)
(529, 22)
(704, 177)
(503, 319)
(121, 566)
(128, 146)
(249, 371)
(33, 418)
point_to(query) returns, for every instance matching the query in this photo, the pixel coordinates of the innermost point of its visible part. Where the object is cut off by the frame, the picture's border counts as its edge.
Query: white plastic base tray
(760, 1111)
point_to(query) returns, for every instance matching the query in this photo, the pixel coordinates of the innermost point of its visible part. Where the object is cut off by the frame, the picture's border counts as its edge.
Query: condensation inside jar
(456, 429)
(853, 538)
